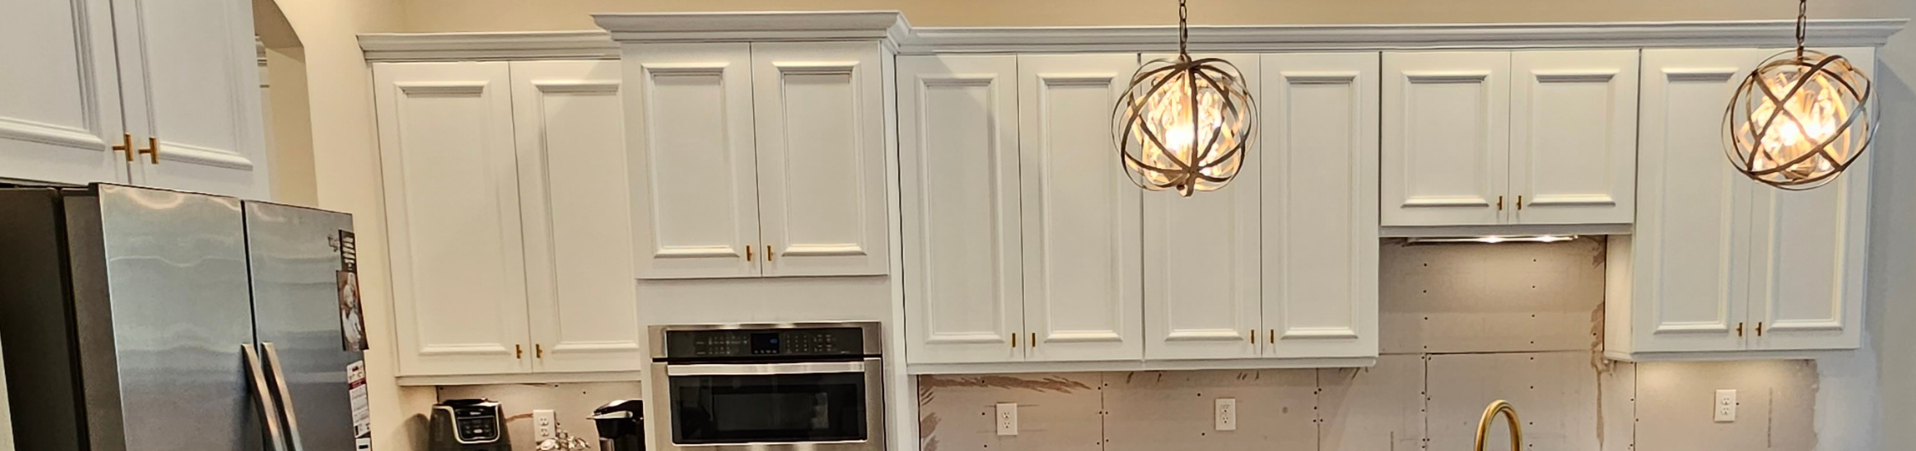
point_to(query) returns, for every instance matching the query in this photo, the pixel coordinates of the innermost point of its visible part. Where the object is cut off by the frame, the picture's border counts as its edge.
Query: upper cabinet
(1721, 265)
(1488, 138)
(759, 159)
(159, 94)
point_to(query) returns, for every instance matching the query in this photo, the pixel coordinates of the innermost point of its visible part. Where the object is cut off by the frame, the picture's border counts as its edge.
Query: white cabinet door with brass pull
(189, 82)
(61, 121)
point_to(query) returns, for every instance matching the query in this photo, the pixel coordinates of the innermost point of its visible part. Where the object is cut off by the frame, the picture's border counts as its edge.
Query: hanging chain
(1184, 33)
(1802, 24)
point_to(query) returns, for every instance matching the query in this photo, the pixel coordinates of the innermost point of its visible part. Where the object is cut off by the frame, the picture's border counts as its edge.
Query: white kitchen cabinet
(1201, 277)
(1492, 137)
(507, 211)
(101, 74)
(1080, 213)
(569, 129)
(959, 163)
(758, 159)
(1721, 266)
(1319, 166)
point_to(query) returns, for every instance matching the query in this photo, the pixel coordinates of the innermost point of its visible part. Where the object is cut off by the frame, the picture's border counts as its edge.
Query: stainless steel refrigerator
(145, 320)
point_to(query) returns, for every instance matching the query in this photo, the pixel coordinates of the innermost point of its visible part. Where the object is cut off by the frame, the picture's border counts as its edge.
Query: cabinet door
(1808, 256)
(452, 213)
(1201, 260)
(1573, 136)
(189, 77)
(570, 134)
(821, 157)
(1320, 235)
(1081, 214)
(1690, 252)
(958, 149)
(690, 146)
(1446, 138)
(61, 116)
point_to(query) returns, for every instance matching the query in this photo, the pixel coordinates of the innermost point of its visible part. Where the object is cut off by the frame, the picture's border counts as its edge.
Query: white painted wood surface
(820, 111)
(188, 76)
(1446, 125)
(1080, 214)
(958, 148)
(1573, 136)
(1201, 278)
(692, 157)
(452, 199)
(569, 133)
(63, 113)
(1319, 170)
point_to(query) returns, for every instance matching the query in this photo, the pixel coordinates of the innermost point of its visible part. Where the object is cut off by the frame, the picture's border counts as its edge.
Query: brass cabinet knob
(768, 252)
(152, 150)
(125, 145)
(518, 352)
(748, 252)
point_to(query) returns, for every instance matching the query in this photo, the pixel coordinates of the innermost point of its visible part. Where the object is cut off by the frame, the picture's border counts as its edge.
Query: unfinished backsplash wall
(570, 403)
(1461, 325)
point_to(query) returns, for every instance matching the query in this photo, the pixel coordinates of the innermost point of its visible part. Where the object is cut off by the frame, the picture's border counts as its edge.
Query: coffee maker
(621, 425)
(468, 425)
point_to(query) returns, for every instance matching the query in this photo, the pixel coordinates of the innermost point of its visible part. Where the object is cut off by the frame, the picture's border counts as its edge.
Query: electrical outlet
(1007, 418)
(1227, 414)
(1725, 406)
(544, 425)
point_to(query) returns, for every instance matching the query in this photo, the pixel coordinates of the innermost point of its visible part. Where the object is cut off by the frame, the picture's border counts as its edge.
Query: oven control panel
(765, 343)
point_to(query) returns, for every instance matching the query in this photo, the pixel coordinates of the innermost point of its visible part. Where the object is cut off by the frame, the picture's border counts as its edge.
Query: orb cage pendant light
(1184, 124)
(1800, 118)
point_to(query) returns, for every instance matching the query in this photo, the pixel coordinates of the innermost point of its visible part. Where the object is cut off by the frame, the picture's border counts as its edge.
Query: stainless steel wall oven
(811, 386)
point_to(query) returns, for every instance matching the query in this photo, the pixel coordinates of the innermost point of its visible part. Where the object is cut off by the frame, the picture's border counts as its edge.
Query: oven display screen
(765, 343)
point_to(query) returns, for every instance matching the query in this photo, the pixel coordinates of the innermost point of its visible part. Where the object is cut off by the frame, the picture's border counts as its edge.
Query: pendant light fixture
(1184, 124)
(1800, 118)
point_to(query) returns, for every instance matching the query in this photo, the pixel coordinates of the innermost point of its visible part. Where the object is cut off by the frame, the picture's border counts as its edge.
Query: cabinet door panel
(1320, 236)
(691, 146)
(1201, 261)
(189, 75)
(959, 153)
(582, 307)
(1573, 136)
(1690, 248)
(1081, 214)
(61, 114)
(821, 158)
(1808, 257)
(1446, 137)
(452, 213)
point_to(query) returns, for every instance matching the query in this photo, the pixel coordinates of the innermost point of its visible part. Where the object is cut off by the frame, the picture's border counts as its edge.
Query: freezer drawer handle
(266, 405)
(285, 396)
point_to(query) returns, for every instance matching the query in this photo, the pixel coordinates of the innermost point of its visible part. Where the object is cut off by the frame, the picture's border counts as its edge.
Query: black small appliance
(468, 425)
(621, 425)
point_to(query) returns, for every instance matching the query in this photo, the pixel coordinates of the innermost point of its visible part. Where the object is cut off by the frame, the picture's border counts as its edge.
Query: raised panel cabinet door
(1446, 142)
(1808, 256)
(1201, 259)
(570, 133)
(1573, 136)
(1080, 213)
(189, 77)
(1320, 248)
(60, 116)
(1690, 252)
(452, 214)
(691, 156)
(822, 149)
(958, 154)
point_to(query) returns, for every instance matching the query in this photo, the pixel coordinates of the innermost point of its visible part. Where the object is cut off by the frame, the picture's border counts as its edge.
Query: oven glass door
(714, 404)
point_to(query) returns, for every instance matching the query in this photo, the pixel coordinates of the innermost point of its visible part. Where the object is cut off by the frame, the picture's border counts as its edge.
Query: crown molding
(1767, 33)
(398, 47)
(756, 26)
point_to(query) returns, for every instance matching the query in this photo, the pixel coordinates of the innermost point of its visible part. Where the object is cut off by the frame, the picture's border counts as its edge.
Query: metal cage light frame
(1184, 124)
(1800, 118)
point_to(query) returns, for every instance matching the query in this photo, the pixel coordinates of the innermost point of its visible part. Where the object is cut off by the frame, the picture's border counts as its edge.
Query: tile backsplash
(571, 405)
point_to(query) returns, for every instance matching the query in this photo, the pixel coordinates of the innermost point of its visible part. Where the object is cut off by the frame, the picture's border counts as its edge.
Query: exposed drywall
(571, 405)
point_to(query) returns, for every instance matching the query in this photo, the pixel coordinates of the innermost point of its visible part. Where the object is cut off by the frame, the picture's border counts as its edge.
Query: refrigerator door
(169, 324)
(296, 264)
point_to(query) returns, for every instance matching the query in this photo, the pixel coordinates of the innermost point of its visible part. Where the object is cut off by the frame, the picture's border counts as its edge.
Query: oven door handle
(765, 369)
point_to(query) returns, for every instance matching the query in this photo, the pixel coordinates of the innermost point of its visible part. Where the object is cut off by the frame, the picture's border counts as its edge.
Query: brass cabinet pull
(1273, 338)
(1253, 336)
(1759, 328)
(1034, 339)
(1519, 201)
(1739, 329)
(1014, 339)
(518, 352)
(1500, 203)
(125, 145)
(748, 252)
(768, 252)
(152, 150)
(539, 350)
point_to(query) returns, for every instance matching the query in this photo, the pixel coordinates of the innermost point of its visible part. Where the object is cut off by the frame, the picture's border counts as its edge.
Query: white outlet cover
(1226, 414)
(545, 425)
(1007, 419)
(1725, 406)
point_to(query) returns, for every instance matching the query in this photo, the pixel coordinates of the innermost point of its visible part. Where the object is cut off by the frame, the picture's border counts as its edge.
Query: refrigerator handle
(285, 396)
(267, 406)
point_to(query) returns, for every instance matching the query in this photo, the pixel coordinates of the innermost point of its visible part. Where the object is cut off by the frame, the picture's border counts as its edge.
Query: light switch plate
(1725, 406)
(1007, 418)
(1226, 414)
(544, 425)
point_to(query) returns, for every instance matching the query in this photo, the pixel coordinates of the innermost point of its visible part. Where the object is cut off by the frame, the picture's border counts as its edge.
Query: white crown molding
(1769, 33)
(398, 47)
(756, 26)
